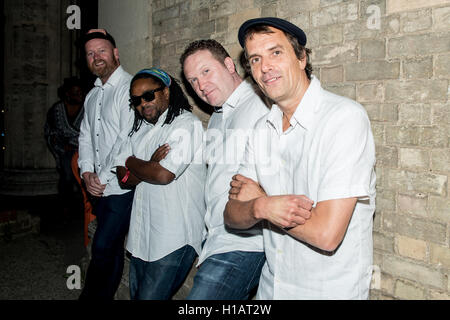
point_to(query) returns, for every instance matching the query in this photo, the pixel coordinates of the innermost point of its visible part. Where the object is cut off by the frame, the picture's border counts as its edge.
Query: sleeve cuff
(85, 168)
(169, 166)
(342, 192)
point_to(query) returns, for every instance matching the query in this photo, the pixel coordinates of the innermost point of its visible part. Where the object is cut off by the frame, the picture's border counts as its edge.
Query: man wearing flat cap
(107, 113)
(308, 175)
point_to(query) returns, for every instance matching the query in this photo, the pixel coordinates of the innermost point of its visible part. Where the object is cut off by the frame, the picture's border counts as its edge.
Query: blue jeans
(106, 266)
(227, 276)
(159, 280)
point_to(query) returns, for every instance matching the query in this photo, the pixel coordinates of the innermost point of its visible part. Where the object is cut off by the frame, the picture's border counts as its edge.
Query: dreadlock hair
(178, 103)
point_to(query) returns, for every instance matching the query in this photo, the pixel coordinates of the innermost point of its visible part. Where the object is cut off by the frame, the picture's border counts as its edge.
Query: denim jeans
(159, 280)
(106, 266)
(228, 276)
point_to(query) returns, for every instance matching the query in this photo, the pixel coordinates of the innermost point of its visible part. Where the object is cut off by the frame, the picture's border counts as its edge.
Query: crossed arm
(322, 226)
(148, 171)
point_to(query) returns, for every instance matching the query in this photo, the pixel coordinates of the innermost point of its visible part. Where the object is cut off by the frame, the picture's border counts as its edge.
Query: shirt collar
(162, 118)
(275, 118)
(113, 79)
(304, 113)
(233, 100)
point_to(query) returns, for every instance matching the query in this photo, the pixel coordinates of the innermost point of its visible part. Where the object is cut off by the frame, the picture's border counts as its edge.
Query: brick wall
(391, 56)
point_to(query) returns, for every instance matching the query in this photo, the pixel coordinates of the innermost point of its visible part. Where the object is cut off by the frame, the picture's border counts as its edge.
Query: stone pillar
(38, 55)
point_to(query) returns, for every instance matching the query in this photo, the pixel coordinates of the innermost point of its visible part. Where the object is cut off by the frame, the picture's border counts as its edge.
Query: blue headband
(164, 77)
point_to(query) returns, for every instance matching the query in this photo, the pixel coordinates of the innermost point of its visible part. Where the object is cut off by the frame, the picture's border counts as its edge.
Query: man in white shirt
(308, 175)
(107, 113)
(162, 157)
(231, 260)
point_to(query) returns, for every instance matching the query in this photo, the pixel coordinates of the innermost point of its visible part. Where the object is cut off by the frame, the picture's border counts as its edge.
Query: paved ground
(33, 267)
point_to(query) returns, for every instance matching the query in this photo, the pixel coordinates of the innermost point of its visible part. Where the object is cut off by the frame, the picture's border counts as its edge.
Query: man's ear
(116, 53)
(166, 93)
(229, 64)
(302, 62)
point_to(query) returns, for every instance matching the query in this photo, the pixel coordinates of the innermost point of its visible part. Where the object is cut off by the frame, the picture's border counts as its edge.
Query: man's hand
(160, 153)
(287, 211)
(150, 171)
(244, 189)
(93, 184)
(248, 204)
(132, 180)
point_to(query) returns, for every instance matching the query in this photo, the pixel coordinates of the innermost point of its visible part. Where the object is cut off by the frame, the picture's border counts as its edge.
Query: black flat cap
(96, 35)
(278, 23)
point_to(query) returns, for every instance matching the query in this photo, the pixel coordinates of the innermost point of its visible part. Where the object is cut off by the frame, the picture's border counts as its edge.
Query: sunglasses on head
(148, 96)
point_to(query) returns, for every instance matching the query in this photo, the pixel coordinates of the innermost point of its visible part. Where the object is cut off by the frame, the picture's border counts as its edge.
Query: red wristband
(125, 178)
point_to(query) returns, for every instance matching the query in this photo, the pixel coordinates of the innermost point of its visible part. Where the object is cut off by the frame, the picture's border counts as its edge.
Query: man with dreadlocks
(162, 157)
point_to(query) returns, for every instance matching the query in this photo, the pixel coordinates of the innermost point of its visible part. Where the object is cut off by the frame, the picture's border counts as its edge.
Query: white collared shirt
(327, 153)
(165, 218)
(107, 114)
(226, 138)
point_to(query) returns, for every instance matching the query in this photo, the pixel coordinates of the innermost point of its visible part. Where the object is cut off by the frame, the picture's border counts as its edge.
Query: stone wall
(393, 57)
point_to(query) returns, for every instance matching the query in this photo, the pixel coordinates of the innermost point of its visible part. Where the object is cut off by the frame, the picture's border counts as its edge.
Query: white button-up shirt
(165, 218)
(226, 138)
(327, 153)
(107, 114)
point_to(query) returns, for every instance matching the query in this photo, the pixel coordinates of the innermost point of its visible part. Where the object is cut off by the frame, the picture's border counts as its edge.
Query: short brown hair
(216, 49)
(300, 51)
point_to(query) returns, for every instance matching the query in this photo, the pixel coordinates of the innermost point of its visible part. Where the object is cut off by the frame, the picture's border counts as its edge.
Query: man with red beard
(107, 113)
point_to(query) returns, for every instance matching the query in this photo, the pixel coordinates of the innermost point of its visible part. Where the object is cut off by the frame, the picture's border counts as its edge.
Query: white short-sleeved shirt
(226, 138)
(165, 218)
(327, 153)
(107, 114)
